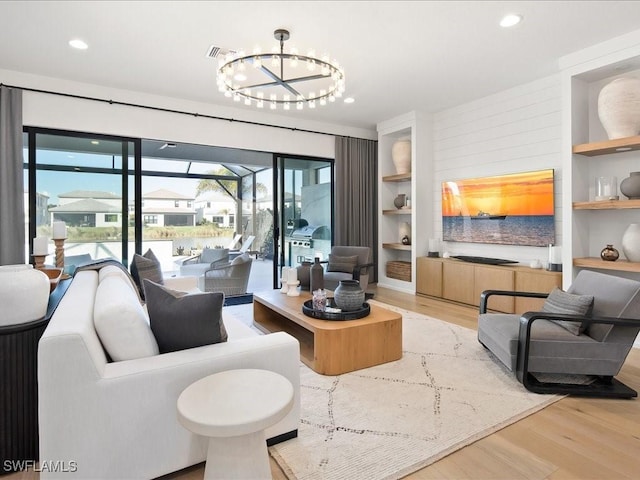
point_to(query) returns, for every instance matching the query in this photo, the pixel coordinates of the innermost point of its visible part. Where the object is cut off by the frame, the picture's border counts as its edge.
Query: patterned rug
(387, 421)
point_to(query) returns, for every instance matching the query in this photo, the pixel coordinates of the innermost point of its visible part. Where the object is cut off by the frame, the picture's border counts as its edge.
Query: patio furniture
(244, 249)
(230, 278)
(348, 263)
(537, 344)
(198, 264)
(234, 242)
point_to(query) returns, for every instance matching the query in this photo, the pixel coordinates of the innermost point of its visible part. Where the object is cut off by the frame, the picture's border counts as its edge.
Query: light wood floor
(575, 438)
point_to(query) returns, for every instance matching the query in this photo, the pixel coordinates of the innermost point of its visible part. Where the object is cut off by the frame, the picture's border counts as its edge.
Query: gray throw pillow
(342, 264)
(559, 301)
(146, 266)
(181, 320)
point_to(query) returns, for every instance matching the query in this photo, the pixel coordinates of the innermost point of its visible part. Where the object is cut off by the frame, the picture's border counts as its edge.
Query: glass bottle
(317, 276)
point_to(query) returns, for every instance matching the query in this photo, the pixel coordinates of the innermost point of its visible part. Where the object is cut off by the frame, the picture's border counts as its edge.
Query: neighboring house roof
(167, 210)
(164, 194)
(85, 206)
(88, 194)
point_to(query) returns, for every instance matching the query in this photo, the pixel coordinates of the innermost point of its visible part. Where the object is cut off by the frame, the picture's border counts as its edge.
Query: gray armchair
(534, 344)
(209, 258)
(348, 263)
(230, 278)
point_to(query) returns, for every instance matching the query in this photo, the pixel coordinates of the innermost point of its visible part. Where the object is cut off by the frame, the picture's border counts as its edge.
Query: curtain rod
(170, 110)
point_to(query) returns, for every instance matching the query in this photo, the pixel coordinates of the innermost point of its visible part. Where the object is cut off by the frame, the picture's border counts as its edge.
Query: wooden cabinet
(460, 290)
(429, 277)
(463, 282)
(494, 278)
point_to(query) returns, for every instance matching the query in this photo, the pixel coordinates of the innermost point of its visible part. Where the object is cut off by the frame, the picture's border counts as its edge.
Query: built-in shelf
(619, 265)
(396, 246)
(398, 177)
(397, 211)
(606, 205)
(607, 147)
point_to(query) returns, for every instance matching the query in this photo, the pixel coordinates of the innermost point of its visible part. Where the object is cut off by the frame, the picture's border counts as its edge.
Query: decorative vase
(348, 296)
(619, 107)
(317, 276)
(609, 254)
(630, 186)
(400, 200)
(304, 275)
(401, 155)
(631, 242)
(405, 233)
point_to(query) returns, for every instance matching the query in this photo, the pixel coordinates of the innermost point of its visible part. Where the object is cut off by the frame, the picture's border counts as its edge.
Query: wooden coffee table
(331, 347)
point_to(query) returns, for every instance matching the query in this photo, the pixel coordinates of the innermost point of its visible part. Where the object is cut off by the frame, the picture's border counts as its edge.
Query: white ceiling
(398, 56)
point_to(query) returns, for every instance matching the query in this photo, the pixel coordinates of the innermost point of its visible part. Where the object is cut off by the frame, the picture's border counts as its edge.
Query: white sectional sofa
(101, 419)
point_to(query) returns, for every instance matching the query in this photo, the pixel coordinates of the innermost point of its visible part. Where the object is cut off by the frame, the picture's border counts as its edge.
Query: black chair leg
(601, 387)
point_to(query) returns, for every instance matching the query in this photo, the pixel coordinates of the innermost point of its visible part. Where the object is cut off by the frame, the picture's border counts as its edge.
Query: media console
(484, 260)
(463, 282)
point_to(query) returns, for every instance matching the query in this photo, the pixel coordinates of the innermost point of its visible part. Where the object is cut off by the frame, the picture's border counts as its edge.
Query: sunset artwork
(513, 209)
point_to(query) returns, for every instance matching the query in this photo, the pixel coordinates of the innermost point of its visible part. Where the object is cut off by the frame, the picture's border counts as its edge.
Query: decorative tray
(307, 309)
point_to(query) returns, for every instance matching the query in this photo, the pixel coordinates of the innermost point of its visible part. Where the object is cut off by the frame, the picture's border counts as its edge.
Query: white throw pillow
(121, 322)
(113, 271)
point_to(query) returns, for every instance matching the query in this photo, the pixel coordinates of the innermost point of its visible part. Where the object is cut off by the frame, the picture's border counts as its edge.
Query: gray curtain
(356, 186)
(12, 218)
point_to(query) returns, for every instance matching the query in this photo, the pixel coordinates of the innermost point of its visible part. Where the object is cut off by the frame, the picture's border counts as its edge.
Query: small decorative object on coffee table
(317, 276)
(609, 254)
(349, 296)
(332, 312)
(304, 275)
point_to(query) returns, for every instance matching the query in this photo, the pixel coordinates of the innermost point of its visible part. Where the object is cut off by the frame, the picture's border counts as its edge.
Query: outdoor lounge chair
(535, 344)
(196, 265)
(244, 249)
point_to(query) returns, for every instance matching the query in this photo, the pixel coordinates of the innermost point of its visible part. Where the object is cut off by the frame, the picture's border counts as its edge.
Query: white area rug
(387, 421)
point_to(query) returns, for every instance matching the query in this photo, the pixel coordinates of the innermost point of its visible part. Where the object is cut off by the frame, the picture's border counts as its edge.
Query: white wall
(51, 111)
(517, 130)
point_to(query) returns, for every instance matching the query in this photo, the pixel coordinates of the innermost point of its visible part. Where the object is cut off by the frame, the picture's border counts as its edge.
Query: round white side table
(233, 408)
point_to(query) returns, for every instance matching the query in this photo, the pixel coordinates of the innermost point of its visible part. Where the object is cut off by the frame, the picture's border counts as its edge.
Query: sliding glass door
(304, 200)
(84, 181)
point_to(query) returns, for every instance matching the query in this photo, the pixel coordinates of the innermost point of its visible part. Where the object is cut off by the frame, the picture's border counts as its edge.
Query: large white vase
(619, 107)
(631, 242)
(401, 155)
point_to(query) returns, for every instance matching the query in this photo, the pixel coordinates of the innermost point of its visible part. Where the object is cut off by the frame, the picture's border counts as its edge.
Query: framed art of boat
(511, 209)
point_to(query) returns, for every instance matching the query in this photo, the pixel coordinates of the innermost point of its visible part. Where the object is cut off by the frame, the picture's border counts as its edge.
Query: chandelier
(280, 79)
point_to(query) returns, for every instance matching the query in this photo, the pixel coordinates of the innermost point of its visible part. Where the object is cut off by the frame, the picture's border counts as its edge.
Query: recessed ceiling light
(349, 100)
(79, 44)
(95, 142)
(510, 20)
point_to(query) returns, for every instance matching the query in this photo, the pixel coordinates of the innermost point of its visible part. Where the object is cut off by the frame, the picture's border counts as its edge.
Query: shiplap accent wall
(516, 130)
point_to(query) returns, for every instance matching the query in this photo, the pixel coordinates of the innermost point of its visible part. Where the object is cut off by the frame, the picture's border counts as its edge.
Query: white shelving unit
(589, 225)
(417, 186)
